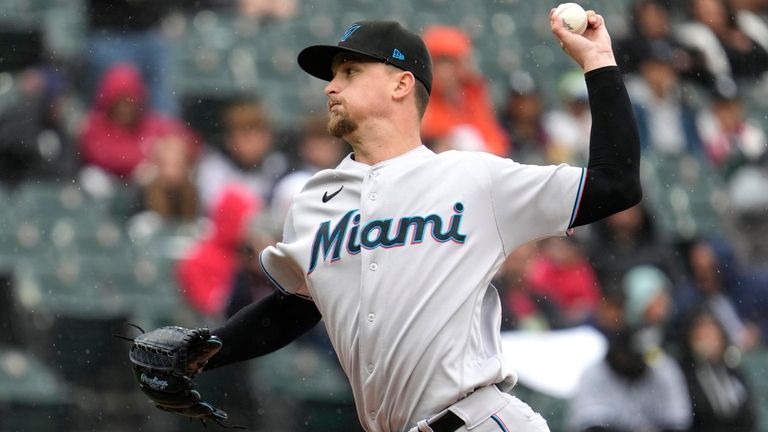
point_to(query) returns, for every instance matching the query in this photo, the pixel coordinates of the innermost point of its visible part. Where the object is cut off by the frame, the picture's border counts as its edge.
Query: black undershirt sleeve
(613, 170)
(263, 327)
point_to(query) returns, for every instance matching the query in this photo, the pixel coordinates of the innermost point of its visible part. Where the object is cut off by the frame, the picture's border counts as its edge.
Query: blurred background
(150, 149)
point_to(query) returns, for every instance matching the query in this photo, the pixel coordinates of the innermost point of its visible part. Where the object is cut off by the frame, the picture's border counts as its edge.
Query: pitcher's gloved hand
(166, 360)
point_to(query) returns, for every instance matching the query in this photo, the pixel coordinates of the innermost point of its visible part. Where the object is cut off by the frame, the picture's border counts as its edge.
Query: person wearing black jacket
(720, 396)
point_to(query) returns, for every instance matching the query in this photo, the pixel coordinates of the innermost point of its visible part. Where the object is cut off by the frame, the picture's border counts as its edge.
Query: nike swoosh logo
(327, 197)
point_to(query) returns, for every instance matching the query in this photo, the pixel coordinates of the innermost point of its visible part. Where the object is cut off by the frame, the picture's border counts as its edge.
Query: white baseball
(574, 17)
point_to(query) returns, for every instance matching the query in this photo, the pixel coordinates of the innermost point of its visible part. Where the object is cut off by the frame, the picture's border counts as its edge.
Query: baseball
(574, 17)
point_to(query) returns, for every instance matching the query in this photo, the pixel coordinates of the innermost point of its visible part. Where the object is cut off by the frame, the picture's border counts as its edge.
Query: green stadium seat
(7, 231)
(301, 372)
(35, 196)
(21, 14)
(32, 397)
(25, 379)
(684, 196)
(71, 312)
(104, 240)
(69, 287)
(64, 25)
(310, 379)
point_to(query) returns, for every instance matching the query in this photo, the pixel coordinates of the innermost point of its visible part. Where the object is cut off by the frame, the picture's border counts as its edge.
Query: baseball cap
(385, 41)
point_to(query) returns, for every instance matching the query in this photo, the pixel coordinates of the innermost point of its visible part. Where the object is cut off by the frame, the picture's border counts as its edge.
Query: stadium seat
(310, 378)
(32, 397)
(685, 196)
(71, 313)
(64, 25)
(754, 368)
(7, 231)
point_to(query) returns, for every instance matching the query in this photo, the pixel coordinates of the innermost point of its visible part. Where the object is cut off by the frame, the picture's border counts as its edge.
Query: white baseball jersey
(399, 256)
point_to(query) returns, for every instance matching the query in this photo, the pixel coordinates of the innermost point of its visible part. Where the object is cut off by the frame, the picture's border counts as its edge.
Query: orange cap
(445, 41)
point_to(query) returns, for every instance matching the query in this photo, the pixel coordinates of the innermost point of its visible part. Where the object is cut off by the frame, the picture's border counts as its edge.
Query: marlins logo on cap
(349, 32)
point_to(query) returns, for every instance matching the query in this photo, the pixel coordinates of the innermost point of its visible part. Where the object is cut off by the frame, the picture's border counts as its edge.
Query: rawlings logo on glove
(164, 362)
(154, 382)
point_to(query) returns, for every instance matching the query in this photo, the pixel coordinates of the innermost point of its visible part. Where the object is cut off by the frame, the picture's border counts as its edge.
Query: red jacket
(113, 147)
(573, 287)
(206, 273)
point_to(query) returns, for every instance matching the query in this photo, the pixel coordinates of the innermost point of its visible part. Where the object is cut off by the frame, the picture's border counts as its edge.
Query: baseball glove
(166, 360)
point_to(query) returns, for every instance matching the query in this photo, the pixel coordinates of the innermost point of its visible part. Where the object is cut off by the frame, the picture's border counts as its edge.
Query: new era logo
(398, 55)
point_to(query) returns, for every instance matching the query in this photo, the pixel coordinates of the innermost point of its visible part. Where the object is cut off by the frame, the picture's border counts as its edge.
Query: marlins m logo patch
(353, 28)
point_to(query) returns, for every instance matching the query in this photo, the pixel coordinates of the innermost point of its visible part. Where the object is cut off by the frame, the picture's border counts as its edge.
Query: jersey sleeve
(280, 267)
(531, 201)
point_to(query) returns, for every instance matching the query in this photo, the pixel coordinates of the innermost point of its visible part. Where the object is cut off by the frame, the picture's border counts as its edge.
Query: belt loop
(423, 426)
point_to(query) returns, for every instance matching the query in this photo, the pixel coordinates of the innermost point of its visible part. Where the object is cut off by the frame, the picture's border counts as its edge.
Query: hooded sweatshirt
(116, 148)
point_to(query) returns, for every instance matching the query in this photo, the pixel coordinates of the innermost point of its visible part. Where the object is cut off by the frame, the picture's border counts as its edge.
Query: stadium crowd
(678, 285)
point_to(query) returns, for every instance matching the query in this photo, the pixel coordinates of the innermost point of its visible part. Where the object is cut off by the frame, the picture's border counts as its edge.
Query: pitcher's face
(359, 90)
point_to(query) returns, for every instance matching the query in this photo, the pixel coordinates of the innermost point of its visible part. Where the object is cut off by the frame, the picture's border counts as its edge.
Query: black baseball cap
(386, 41)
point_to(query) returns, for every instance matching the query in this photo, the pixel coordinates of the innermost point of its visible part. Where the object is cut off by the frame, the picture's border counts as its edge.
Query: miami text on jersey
(378, 233)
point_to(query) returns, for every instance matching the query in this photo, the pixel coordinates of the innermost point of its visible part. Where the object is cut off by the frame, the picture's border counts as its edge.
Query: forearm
(263, 327)
(613, 170)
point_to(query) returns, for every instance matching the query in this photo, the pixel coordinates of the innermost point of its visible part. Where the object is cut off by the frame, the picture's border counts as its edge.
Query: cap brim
(316, 60)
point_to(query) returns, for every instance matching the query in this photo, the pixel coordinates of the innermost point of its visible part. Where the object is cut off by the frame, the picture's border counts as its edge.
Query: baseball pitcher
(395, 248)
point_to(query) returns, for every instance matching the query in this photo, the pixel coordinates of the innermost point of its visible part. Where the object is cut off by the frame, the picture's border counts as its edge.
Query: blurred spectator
(120, 129)
(268, 9)
(637, 386)
(755, 6)
(521, 308)
(748, 194)
(650, 32)
(523, 119)
(130, 31)
(728, 50)
(562, 274)
(665, 121)
(720, 397)
(34, 140)
(625, 240)
(246, 156)
(206, 273)
(250, 284)
(317, 150)
(715, 283)
(737, 148)
(750, 17)
(167, 179)
(460, 110)
(731, 139)
(569, 128)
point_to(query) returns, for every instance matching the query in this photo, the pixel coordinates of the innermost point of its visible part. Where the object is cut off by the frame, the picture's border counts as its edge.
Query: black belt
(448, 422)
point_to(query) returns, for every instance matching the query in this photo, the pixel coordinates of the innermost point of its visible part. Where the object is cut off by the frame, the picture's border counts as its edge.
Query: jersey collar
(416, 153)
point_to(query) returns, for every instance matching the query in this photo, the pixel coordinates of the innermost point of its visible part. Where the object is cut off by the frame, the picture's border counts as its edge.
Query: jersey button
(370, 368)
(373, 196)
(373, 266)
(373, 415)
(371, 317)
